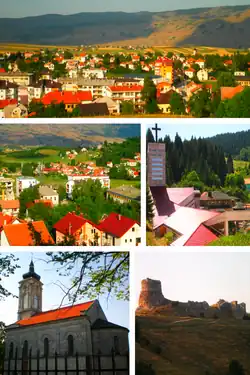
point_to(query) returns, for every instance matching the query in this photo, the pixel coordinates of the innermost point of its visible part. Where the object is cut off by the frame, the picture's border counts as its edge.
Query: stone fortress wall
(151, 296)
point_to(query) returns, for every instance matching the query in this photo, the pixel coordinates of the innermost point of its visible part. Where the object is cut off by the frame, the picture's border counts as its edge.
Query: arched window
(35, 302)
(46, 347)
(11, 351)
(116, 345)
(70, 345)
(25, 349)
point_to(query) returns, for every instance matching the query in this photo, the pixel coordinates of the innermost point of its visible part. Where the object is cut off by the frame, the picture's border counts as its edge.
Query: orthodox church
(82, 328)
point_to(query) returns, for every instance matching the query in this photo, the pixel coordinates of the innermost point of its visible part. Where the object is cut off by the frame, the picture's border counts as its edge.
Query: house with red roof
(189, 72)
(70, 99)
(10, 207)
(113, 230)
(125, 93)
(81, 328)
(21, 234)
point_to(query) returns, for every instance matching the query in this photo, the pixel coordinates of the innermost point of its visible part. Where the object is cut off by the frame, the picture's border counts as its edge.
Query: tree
(226, 79)
(61, 190)
(200, 104)
(8, 265)
(230, 164)
(127, 108)
(193, 180)
(27, 170)
(177, 104)
(149, 136)
(235, 180)
(150, 206)
(27, 195)
(99, 273)
(68, 55)
(149, 93)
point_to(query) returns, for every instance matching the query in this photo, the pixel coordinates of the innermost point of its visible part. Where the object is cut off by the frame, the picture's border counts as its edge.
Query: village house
(189, 72)
(47, 193)
(216, 200)
(243, 80)
(20, 234)
(8, 90)
(163, 101)
(164, 67)
(10, 207)
(23, 79)
(202, 75)
(125, 93)
(70, 99)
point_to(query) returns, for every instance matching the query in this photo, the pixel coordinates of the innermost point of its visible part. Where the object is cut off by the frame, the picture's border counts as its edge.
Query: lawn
(240, 164)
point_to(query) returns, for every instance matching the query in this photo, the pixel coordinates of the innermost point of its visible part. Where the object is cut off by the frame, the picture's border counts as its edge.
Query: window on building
(70, 345)
(11, 351)
(116, 345)
(25, 349)
(133, 229)
(46, 347)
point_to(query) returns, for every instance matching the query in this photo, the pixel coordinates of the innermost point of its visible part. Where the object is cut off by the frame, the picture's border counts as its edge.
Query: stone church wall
(103, 340)
(57, 332)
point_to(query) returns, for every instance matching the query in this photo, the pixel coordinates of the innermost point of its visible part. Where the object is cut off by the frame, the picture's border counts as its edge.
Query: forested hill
(200, 157)
(232, 143)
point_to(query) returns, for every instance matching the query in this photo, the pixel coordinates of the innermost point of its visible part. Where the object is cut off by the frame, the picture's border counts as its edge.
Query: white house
(74, 179)
(24, 182)
(47, 193)
(202, 75)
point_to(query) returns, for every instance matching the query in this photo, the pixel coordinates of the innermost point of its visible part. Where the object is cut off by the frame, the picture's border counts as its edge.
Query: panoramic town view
(198, 185)
(192, 327)
(70, 185)
(184, 63)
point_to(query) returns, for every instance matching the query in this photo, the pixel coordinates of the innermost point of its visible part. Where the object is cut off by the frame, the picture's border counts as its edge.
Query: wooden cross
(156, 132)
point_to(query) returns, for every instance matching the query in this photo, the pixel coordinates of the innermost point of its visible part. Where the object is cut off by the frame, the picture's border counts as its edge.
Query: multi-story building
(25, 182)
(23, 79)
(165, 68)
(126, 93)
(6, 188)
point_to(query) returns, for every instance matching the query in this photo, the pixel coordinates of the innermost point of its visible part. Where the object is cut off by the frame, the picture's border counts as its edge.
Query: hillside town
(77, 83)
(80, 198)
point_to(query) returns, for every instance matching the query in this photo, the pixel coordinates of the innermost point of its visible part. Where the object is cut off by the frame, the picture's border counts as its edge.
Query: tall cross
(156, 132)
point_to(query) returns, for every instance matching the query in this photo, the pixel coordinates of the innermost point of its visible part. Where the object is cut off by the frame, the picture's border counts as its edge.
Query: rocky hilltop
(151, 298)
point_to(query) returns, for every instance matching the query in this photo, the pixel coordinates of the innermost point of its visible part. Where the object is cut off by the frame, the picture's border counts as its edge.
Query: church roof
(58, 314)
(103, 324)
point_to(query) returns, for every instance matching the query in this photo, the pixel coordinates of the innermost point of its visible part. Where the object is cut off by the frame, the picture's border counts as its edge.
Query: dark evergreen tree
(150, 206)
(235, 368)
(230, 164)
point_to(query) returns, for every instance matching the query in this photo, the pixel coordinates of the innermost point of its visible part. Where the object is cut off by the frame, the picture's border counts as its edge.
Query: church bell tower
(30, 294)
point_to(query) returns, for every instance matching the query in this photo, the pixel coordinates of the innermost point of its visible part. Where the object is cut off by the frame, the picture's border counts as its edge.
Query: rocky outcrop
(151, 294)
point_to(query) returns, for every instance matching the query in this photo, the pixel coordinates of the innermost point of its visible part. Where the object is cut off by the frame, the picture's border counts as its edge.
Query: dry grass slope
(192, 346)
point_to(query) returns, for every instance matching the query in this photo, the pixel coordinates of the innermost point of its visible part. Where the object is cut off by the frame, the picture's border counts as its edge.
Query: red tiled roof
(71, 220)
(126, 88)
(230, 92)
(117, 225)
(8, 205)
(67, 97)
(2, 70)
(20, 235)
(6, 219)
(5, 102)
(58, 314)
(201, 237)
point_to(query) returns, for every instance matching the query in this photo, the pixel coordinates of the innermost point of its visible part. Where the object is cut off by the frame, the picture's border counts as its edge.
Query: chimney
(5, 222)
(119, 217)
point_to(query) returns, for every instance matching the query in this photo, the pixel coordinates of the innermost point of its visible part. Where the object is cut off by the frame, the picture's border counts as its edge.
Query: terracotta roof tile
(58, 314)
(20, 235)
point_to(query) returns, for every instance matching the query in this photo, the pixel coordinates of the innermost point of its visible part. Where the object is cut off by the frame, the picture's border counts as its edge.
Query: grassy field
(186, 50)
(192, 346)
(52, 180)
(240, 164)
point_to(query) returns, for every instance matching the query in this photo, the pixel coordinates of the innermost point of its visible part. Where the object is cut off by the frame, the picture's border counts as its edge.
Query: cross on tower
(156, 132)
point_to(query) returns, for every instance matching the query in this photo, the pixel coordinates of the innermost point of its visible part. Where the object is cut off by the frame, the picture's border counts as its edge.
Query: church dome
(31, 273)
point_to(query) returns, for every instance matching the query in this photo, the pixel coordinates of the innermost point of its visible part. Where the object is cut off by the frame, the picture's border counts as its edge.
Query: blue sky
(116, 311)
(197, 276)
(17, 8)
(198, 129)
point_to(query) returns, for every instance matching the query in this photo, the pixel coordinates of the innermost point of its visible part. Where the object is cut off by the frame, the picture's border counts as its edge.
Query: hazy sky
(17, 8)
(199, 129)
(115, 311)
(197, 276)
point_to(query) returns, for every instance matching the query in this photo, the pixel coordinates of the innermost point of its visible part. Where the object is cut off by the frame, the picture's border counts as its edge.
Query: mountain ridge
(195, 26)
